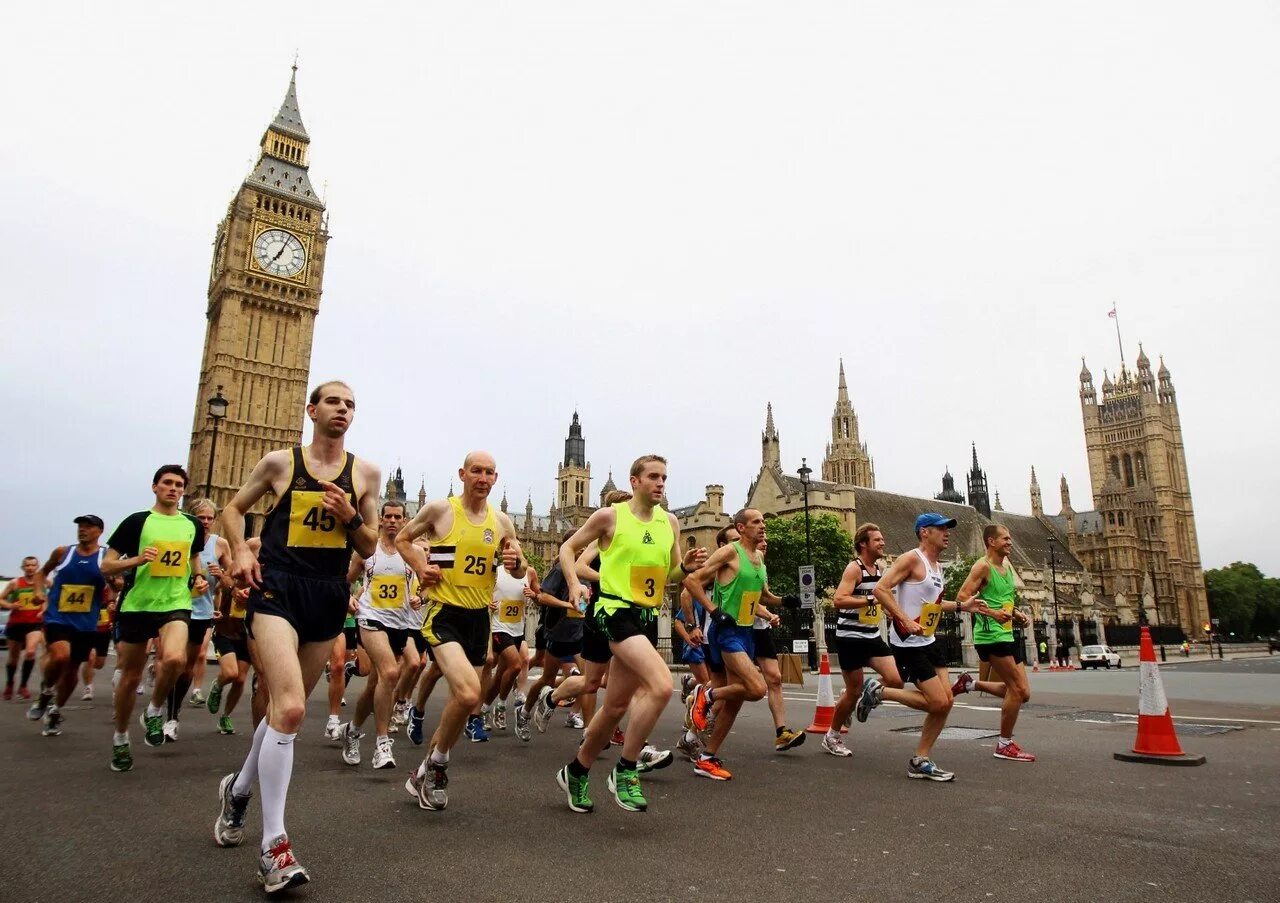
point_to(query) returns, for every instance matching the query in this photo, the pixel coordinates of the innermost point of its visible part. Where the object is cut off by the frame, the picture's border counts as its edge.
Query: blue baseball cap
(933, 520)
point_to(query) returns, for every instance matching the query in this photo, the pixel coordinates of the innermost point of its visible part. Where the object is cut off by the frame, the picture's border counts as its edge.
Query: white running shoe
(382, 757)
(171, 731)
(350, 738)
(87, 696)
(834, 744)
(333, 728)
(574, 721)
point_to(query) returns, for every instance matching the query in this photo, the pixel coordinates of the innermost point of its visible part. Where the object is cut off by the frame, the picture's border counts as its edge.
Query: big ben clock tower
(264, 294)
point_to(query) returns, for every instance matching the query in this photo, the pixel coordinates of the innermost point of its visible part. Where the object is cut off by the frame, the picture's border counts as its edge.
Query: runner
(158, 551)
(993, 581)
(766, 656)
(858, 639)
(22, 632)
(388, 616)
(562, 626)
(70, 618)
(739, 577)
(509, 598)
(346, 660)
(639, 546)
(458, 581)
(102, 641)
(296, 607)
(691, 744)
(911, 592)
(232, 645)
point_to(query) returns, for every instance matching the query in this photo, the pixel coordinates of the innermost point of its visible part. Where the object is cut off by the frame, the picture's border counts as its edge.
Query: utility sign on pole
(807, 595)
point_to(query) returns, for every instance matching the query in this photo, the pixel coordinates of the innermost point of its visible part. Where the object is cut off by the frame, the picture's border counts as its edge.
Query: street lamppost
(1053, 570)
(1145, 533)
(804, 471)
(217, 411)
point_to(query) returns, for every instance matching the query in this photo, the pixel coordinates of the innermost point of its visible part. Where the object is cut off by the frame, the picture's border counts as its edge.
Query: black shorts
(856, 652)
(917, 664)
(352, 635)
(17, 633)
(81, 640)
(398, 637)
(503, 641)
(564, 650)
(140, 626)
(540, 638)
(1011, 649)
(470, 628)
(102, 643)
(603, 628)
(316, 609)
(237, 646)
(197, 630)
(765, 646)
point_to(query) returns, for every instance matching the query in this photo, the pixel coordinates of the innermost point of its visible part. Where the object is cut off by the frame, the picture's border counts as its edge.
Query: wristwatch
(355, 523)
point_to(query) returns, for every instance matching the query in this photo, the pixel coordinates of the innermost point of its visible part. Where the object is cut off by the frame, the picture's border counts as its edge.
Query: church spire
(770, 445)
(1037, 507)
(843, 389)
(289, 118)
(847, 459)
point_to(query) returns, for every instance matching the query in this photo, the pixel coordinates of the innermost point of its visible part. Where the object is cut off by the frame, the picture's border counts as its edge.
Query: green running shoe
(575, 789)
(121, 758)
(225, 726)
(153, 727)
(625, 787)
(215, 698)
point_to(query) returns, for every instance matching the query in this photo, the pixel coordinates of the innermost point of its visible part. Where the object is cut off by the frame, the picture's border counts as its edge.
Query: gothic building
(847, 460)
(979, 498)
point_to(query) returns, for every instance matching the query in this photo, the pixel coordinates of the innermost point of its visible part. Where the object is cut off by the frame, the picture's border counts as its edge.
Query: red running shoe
(1013, 752)
(963, 684)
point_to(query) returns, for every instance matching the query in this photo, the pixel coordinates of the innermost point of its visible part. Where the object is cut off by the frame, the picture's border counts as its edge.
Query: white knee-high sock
(275, 767)
(249, 770)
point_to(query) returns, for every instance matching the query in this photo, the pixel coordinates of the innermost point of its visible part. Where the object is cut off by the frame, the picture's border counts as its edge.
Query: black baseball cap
(91, 520)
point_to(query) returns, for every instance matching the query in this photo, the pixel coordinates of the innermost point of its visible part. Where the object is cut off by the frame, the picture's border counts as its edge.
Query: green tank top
(999, 593)
(633, 570)
(739, 596)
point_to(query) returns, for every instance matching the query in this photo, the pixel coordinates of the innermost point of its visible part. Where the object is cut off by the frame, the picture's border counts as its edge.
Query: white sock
(275, 767)
(333, 719)
(249, 770)
(1004, 740)
(119, 739)
(153, 710)
(690, 737)
(438, 758)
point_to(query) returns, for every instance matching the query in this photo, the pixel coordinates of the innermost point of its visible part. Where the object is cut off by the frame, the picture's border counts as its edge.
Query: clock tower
(263, 297)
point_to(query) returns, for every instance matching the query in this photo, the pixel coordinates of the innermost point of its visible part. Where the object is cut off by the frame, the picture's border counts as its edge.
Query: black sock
(777, 731)
(10, 670)
(576, 768)
(177, 695)
(27, 665)
(626, 765)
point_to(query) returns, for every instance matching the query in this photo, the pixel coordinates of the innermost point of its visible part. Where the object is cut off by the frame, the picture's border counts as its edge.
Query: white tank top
(508, 592)
(385, 599)
(912, 596)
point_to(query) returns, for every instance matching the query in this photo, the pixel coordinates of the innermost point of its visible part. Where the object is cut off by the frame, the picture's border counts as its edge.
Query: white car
(1098, 656)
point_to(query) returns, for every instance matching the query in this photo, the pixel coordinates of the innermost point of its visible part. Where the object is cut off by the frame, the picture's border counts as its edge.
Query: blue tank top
(76, 596)
(202, 606)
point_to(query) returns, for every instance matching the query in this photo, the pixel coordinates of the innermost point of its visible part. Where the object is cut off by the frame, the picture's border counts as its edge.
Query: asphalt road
(1077, 825)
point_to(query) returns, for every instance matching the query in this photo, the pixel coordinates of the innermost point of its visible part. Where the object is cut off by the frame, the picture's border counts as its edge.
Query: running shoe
(711, 767)
(522, 724)
(625, 787)
(415, 726)
(618, 737)
(278, 869)
(53, 723)
(690, 749)
(500, 716)
(225, 726)
(542, 710)
(475, 730)
(87, 696)
(872, 695)
(350, 671)
(653, 759)
(431, 786)
(37, 710)
(486, 718)
(575, 790)
(228, 830)
(687, 683)
(8, 691)
(214, 702)
(121, 757)
(963, 684)
(24, 693)
(788, 739)
(350, 738)
(140, 690)
(171, 731)
(152, 729)
(926, 769)
(333, 728)
(574, 721)
(699, 707)
(834, 744)
(1012, 751)
(382, 757)
(197, 698)
(398, 712)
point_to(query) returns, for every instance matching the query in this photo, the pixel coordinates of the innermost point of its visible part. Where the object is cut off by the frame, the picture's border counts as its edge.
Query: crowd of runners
(337, 586)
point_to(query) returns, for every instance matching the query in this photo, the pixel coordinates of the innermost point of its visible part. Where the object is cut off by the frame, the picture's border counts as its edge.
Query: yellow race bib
(310, 525)
(647, 585)
(387, 591)
(747, 607)
(75, 598)
(870, 615)
(930, 615)
(511, 611)
(237, 609)
(171, 560)
(473, 564)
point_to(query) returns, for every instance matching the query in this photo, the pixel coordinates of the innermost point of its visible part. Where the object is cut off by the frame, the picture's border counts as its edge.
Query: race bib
(387, 591)
(171, 560)
(237, 609)
(648, 584)
(312, 527)
(747, 608)
(473, 563)
(930, 615)
(75, 598)
(511, 611)
(104, 617)
(870, 616)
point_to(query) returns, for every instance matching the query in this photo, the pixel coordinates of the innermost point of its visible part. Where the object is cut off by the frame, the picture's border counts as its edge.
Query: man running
(23, 598)
(639, 545)
(102, 641)
(911, 592)
(158, 551)
(766, 658)
(326, 503)
(469, 539)
(232, 645)
(858, 639)
(70, 618)
(993, 581)
(509, 595)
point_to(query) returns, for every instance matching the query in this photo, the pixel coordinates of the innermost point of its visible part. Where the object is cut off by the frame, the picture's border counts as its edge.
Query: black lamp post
(804, 471)
(1053, 570)
(217, 411)
(1155, 595)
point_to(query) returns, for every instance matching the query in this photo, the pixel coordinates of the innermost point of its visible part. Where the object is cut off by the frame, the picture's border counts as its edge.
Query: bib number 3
(648, 585)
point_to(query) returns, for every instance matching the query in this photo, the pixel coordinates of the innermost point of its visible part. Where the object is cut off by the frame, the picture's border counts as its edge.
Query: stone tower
(770, 444)
(847, 460)
(979, 495)
(1133, 439)
(264, 293)
(573, 478)
(1037, 503)
(949, 493)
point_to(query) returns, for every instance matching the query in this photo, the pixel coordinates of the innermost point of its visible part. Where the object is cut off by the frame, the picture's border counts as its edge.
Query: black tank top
(299, 535)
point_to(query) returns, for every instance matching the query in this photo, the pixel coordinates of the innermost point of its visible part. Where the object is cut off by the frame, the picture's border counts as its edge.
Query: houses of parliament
(1133, 552)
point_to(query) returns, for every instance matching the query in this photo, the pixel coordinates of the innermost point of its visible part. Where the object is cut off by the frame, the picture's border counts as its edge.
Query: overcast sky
(666, 215)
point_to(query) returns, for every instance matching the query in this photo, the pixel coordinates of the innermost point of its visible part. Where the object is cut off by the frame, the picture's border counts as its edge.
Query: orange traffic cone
(826, 700)
(1157, 741)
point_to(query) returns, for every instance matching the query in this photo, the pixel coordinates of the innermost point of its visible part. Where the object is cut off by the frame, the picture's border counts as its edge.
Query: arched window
(1128, 470)
(1115, 466)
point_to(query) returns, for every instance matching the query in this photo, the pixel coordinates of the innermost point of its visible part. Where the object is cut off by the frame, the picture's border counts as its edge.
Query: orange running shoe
(711, 767)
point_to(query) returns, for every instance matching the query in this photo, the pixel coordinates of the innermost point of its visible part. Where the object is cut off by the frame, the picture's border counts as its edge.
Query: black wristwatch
(355, 523)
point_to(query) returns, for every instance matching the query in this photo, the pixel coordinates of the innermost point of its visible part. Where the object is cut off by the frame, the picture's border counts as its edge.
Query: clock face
(279, 253)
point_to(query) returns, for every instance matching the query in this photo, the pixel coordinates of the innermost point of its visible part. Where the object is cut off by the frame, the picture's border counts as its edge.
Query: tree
(1266, 620)
(531, 558)
(1234, 593)
(957, 572)
(832, 551)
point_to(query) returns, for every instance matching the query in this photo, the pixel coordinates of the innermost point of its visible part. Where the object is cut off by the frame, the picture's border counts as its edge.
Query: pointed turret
(998, 506)
(979, 497)
(528, 511)
(282, 164)
(1037, 508)
(770, 444)
(422, 492)
(948, 493)
(289, 119)
(503, 505)
(1087, 394)
(1065, 493)
(846, 460)
(1166, 395)
(1146, 382)
(607, 488)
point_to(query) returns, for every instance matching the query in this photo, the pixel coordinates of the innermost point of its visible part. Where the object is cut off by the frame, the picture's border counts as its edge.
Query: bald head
(481, 457)
(478, 473)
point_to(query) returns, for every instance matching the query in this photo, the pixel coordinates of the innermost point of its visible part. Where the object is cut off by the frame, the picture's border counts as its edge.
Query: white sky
(666, 214)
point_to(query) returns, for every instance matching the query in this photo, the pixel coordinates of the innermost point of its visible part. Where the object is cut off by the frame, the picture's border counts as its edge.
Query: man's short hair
(637, 468)
(992, 531)
(175, 469)
(863, 535)
(200, 504)
(318, 392)
(392, 503)
(613, 496)
(722, 535)
(741, 517)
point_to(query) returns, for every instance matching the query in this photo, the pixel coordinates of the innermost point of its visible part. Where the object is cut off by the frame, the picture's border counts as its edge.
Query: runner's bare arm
(512, 554)
(696, 582)
(900, 570)
(262, 479)
(583, 564)
(223, 552)
(769, 598)
(424, 523)
(849, 580)
(973, 585)
(46, 569)
(596, 527)
(355, 568)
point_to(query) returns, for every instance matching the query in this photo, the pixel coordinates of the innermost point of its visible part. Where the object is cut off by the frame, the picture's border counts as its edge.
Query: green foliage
(535, 562)
(1245, 601)
(956, 573)
(832, 551)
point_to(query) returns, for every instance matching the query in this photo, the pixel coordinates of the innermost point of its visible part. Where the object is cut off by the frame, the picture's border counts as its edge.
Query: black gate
(1089, 633)
(948, 638)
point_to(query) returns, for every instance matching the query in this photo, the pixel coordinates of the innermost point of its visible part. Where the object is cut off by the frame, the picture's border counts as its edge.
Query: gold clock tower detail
(264, 294)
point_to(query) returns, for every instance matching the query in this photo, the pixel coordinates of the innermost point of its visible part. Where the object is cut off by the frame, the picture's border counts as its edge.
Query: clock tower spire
(263, 296)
